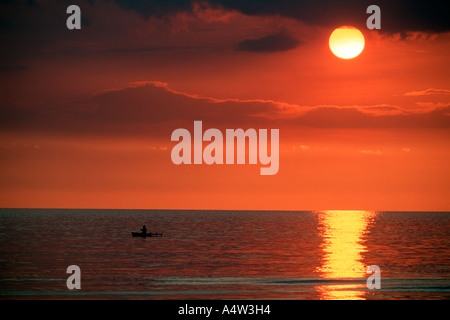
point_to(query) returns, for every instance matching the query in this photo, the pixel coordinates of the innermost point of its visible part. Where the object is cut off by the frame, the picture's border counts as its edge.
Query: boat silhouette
(146, 234)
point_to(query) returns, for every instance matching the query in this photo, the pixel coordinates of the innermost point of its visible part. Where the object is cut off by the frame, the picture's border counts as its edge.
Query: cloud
(158, 8)
(154, 108)
(382, 110)
(356, 117)
(371, 152)
(141, 107)
(271, 43)
(155, 101)
(151, 49)
(120, 26)
(397, 16)
(428, 92)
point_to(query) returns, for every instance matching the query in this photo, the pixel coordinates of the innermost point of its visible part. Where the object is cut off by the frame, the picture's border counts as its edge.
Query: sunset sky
(86, 115)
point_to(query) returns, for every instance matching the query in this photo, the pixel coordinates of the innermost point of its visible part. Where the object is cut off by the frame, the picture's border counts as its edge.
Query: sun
(346, 42)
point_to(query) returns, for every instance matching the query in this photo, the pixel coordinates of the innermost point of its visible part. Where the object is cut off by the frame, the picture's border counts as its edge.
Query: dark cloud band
(145, 108)
(270, 43)
(397, 16)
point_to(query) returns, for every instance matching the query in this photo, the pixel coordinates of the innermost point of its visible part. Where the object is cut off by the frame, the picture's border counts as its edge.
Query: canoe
(145, 235)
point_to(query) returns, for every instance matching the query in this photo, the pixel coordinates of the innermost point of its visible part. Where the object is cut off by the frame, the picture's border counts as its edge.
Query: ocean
(285, 255)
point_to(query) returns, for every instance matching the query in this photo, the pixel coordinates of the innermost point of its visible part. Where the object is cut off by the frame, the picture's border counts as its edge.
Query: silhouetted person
(144, 229)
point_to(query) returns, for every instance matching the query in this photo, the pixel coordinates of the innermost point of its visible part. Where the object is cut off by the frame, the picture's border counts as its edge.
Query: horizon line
(225, 210)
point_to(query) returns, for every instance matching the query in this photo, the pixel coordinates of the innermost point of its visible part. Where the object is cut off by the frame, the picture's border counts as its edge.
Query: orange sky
(87, 115)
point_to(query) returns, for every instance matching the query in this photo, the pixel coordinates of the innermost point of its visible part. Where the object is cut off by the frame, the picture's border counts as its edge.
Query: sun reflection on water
(342, 233)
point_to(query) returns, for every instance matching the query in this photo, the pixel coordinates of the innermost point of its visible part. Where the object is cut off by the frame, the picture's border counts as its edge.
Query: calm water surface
(224, 254)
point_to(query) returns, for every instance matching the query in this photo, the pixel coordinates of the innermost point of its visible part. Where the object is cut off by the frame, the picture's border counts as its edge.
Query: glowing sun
(346, 42)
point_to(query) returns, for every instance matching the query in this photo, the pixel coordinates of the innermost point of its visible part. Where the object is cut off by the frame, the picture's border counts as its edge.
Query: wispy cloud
(371, 152)
(428, 92)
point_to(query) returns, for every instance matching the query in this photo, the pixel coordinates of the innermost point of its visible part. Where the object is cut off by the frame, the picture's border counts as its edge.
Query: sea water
(224, 254)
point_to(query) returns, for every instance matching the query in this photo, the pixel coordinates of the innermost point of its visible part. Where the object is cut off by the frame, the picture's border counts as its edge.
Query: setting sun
(346, 42)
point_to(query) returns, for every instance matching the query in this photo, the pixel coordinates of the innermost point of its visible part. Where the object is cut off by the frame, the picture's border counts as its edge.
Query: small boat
(145, 235)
